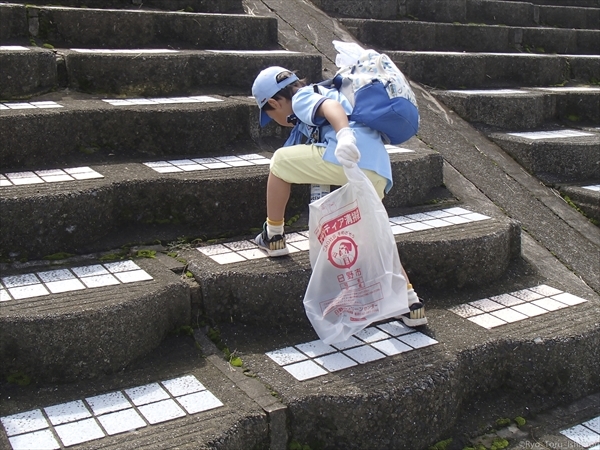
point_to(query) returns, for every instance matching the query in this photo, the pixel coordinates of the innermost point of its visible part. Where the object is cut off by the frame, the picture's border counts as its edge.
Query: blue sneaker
(274, 246)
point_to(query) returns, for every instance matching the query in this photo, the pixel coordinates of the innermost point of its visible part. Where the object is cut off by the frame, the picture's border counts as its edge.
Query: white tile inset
(56, 287)
(183, 385)
(391, 347)
(121, 266)
(24, 422)
(34, 290)
(148, 393)
(133, 276)
(486, 305)
(364, 354)
(121, 421)
(99, 281)
(56, 275)
(335, 361)
(527, 295)
(199, 401)
(372, 334)
(509, 315)
(507, 300)
(529, 309)
(286, 355)
(67, 412)
(395, 328)
(465, 310)
(88, 271)
(105, 403)
(19, 280)
(417, 340)
(38, 440)
(545, 290)
(549, 304)
(568, 299)
(315, 348)
(487, 321)
(305, 370)
(78, 432)
(4, 296)
(593, 424)
(161, 411)
(348, 343)
(582, 435)
(228, 258)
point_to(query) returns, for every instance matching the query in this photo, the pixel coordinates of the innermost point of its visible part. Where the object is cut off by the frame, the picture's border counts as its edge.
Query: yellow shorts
(303, 164)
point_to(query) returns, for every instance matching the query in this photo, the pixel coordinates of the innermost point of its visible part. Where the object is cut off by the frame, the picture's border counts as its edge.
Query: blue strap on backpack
(381, 96)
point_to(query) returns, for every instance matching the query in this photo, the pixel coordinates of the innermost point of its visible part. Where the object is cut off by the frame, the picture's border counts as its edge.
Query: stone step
(209, 6)
(87, 320)
(525, 108)
(177, 396)
(428, 36)
(105, 206)
(239, 284)
(582, 3)
(139, 72)
(188, 397)
(41, 303)
(554, 155)
(70, 132)
(586, 196)
(61, 27)
(510, 13)
(457, 70)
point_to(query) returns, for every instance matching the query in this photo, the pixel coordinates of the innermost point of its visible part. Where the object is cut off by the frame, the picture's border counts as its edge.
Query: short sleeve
(305, 104)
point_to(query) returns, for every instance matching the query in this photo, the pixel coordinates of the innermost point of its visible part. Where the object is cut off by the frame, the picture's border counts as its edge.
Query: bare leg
(278, 194)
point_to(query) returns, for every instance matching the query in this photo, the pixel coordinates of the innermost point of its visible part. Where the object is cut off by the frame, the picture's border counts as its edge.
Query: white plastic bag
(348, 53)
(356, 274)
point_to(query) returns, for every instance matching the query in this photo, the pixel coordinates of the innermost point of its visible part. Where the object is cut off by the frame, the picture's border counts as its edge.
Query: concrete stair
(133, 182)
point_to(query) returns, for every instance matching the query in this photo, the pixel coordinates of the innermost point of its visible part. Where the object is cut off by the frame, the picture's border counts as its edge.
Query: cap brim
(264, 118)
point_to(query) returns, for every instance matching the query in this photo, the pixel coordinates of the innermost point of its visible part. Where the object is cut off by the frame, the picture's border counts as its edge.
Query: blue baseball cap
(266, 86)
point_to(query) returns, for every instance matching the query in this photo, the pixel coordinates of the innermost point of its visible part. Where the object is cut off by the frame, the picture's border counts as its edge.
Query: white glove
(346, 151)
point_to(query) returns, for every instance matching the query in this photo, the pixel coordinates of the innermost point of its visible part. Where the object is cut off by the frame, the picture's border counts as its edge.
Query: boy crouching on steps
(319, 116)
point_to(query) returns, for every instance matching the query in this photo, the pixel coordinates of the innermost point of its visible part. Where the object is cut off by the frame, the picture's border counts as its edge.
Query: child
(321, 117)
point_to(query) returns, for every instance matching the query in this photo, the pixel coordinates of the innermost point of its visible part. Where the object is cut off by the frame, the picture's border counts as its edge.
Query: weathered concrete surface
(13, 24)
(96, 28)
(202, 6)
(24, 73)
(482, 70)
(553, 161)
(154, 75)
(588, 201)
(429, 36)
(70, 336)
(549, 220)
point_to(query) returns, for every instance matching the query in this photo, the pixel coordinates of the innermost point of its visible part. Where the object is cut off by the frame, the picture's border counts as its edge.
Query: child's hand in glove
(346, 151)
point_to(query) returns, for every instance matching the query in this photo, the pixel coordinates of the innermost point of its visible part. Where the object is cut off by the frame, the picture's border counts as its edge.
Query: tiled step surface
(428, 36)
(64, 323)
(177, 395)
(457, 70)
(525, 108)
(387, 371)
(140, 72)
(509, 13)
(76, 207)
(99, 28)
(239, 284)
(104, 130)
(554, 155)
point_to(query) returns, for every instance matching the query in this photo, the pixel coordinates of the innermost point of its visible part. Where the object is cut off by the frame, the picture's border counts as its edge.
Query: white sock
(274, 230)
(412, 296)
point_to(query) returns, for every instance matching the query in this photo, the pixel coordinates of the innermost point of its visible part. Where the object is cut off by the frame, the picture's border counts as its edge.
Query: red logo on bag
(343, 252)
(334, 225)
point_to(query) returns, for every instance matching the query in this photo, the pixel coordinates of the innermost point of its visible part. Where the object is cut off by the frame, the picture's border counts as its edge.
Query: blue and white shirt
(373, 157)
